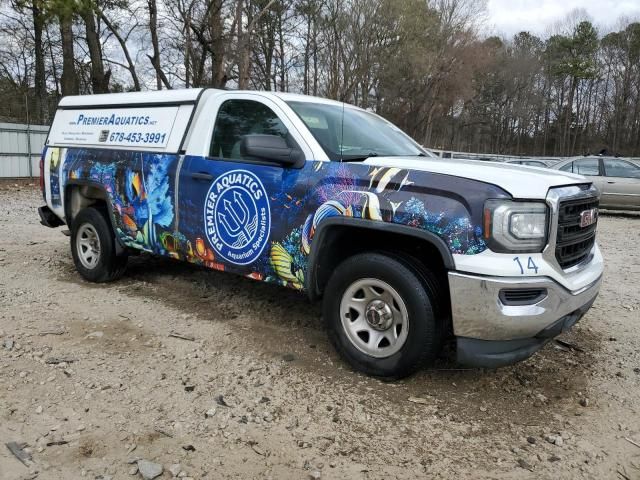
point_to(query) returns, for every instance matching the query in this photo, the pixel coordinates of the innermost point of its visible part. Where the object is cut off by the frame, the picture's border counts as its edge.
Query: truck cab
(404, 250)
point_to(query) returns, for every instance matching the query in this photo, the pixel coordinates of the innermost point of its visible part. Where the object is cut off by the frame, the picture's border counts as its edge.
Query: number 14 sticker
(531, 265)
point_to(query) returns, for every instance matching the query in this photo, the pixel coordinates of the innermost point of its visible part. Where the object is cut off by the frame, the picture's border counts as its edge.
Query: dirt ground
(91, 381)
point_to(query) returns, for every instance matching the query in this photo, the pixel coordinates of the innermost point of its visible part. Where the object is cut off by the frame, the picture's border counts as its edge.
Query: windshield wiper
(358, 158)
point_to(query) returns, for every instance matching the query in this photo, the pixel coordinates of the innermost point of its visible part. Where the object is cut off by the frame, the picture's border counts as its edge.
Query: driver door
(231, 206)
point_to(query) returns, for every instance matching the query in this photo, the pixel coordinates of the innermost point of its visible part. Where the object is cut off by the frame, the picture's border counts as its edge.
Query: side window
(619, 168)
(587, 166)
(567, 168)
(238, 118)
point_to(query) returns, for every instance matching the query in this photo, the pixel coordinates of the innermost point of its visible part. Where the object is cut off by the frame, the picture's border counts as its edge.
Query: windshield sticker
(315, 121)
(237, 217)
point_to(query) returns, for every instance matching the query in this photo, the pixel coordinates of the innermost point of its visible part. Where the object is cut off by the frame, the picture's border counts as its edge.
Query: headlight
(511, 226)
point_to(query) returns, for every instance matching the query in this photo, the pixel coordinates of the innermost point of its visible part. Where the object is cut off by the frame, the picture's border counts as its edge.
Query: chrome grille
(573, 242)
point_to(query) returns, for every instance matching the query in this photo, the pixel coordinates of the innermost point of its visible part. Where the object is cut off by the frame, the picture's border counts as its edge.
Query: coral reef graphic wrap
(260, 221)
(55, 163)
(139, 188)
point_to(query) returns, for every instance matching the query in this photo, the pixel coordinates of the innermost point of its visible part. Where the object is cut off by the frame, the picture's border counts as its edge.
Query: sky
(508, 17)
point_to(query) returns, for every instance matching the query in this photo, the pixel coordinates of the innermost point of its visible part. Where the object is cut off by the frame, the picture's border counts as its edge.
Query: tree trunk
(244, 42)
(315, 58)
(99, 78)
(69, 80)
(161, 78)
(40, 87)
(567, 121)
(218, 73)
(187, 50)
(125, 50)
(244, 46)
(283, 73)
(307, 41)
(54, 70)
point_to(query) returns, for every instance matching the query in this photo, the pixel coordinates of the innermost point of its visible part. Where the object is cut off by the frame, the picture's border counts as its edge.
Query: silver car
(533, 163)
(617, 179)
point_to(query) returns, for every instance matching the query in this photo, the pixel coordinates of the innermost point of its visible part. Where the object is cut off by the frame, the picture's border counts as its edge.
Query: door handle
(201, 176)
(612, 183)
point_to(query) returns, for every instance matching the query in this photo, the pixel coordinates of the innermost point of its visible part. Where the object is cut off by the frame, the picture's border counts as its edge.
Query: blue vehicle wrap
(260, 220)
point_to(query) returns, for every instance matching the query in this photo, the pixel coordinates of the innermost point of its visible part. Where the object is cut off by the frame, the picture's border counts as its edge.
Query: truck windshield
(362, 135)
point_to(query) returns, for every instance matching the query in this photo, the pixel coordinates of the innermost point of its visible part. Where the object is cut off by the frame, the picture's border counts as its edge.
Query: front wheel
(93, 247)
(380, 315)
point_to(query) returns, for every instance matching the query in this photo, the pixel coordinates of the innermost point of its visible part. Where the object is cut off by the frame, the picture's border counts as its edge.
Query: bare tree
(161, 78)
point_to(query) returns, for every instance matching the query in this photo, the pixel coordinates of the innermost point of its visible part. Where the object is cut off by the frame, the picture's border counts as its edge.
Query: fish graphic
(201, 248)
(284, 266)
(388, 178)
(370, 204)
(129, 223)
(136, 183)
(168, 242)
(189, 250)
(330, 208)
(306, 235)
(203, 252)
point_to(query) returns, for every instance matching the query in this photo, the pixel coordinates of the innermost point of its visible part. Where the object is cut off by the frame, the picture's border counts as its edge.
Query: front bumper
(491, 333)
(498, 353)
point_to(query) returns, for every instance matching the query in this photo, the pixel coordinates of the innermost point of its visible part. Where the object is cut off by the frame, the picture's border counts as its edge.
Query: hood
(519, 180)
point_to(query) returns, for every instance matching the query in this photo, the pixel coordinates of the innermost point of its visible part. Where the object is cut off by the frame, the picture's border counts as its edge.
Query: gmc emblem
(588, 217)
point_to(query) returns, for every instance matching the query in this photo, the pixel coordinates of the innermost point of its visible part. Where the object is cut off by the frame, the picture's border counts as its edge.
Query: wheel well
(79, 197)
(340, 242)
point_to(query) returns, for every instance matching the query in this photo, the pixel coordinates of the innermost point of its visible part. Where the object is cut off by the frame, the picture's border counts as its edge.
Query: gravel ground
(92, 385)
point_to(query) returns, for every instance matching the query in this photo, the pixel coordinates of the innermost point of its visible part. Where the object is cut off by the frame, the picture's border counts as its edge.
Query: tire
(438, 292)
(91, 233)
(391, 339)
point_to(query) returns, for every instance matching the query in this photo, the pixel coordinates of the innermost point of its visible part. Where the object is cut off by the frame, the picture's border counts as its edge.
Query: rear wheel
(93, 247)
(381, 315)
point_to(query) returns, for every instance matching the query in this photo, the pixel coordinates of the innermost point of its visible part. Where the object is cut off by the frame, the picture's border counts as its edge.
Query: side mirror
(272, 148)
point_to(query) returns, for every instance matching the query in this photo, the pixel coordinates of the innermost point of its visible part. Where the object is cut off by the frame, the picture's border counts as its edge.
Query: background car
(617, 179)
(532, 163)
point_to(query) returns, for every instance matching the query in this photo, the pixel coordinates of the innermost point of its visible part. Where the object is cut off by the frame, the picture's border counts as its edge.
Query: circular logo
(237, 219)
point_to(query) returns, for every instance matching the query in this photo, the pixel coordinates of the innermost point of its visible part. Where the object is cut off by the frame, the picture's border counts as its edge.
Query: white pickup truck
(406, 250)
